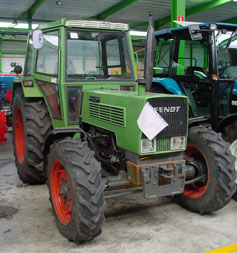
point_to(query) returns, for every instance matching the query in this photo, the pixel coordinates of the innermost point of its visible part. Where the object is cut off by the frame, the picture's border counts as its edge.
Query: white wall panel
(8, 58)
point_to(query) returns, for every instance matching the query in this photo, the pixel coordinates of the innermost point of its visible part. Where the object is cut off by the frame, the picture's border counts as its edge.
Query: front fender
(58, 134)
(169, 84)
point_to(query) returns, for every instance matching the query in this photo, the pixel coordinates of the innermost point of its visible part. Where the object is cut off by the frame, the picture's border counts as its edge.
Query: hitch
(163, 179)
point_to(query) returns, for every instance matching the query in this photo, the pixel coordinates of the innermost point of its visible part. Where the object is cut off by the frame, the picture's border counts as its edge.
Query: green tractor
(83, 122)
(200, 61)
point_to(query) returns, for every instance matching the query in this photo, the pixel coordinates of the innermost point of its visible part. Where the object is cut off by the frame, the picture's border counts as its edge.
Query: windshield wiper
(107, 67)
(91, 78)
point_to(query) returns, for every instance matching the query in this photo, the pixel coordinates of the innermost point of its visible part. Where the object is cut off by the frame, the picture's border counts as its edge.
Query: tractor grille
(111, 114)
(163, 144)
(174, 112)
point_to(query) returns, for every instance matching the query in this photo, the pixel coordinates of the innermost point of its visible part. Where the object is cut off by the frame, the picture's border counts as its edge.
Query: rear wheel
(214, 163)
(233, 149)
(230, 132)
(76, 190)
(230, 135)
(31, 124)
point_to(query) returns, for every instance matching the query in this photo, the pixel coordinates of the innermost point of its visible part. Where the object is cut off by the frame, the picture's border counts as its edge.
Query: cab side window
(30, 57)
(47, 59)
(162, 61)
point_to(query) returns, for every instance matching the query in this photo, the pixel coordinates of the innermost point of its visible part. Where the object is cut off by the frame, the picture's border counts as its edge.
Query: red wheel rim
(196, 190)
(19, 136)
(60, 192)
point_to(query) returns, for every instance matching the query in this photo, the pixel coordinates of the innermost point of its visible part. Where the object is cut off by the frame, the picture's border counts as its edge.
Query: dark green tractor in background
(83, 122)
(200, 61)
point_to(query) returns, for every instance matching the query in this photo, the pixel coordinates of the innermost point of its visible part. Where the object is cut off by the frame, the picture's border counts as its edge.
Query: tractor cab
(200, 62)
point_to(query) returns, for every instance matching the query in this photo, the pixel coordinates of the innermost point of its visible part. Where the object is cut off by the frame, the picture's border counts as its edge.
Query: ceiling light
(138, 33)
(21, 25)
(59, 2)
(5, 24)
(34, 26)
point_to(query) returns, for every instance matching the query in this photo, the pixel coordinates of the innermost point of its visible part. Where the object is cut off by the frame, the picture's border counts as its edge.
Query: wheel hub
(198, 169)
(60, 192)
(195, 156)
(64, 190)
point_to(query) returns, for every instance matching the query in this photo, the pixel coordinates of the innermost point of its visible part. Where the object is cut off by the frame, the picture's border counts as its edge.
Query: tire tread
(224, 185)
(37, 124)
(88, 189)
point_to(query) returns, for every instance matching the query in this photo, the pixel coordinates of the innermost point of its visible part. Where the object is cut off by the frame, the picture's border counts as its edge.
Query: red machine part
(9, 95)
(3, 126)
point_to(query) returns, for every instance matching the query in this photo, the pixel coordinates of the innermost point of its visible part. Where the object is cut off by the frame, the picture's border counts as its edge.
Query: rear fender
(225, 121)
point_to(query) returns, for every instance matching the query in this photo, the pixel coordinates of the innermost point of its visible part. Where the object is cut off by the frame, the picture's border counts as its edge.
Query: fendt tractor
(83, 122)
(200, 61)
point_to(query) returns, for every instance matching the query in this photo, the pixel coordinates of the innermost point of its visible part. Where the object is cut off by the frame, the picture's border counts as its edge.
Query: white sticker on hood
(150, 122)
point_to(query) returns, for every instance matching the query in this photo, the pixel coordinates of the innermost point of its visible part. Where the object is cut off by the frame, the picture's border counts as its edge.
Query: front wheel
(76, 190)
(215, 166)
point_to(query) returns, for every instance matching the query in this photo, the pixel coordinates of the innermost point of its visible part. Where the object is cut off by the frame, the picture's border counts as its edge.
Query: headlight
(177, 142)
(148, 146)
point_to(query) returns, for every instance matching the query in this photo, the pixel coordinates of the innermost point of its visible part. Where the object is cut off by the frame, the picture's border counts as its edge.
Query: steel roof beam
(31, 11)
(14, 31)
(27, 19)
(117, 7)
(230, 20)
(206, 6)
(191, 11)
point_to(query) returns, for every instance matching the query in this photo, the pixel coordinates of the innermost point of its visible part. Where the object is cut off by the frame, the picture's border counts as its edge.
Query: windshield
(226, 44)
(192, 57)
(93, 55)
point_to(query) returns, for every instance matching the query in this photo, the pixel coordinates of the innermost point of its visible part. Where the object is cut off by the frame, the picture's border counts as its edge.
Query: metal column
(177, 9)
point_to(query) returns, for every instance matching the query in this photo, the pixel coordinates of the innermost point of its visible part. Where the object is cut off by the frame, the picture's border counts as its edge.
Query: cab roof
(89, 24)
(171, 31)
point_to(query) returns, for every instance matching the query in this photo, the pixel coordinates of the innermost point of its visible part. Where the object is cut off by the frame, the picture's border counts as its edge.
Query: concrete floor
(132, 223)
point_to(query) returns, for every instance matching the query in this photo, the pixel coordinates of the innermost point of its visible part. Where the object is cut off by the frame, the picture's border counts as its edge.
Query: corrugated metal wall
(8, 58)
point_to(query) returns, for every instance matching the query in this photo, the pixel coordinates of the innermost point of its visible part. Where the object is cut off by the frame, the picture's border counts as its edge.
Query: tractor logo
(167, 109)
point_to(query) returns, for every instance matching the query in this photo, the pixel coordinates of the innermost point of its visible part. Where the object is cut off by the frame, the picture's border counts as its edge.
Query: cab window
(162, 61)
(47, 59)
(97, 55)
(192, 58)
(30, 57)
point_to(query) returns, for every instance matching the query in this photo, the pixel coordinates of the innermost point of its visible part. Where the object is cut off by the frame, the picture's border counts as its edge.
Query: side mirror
(195, 32)
(37, 39)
